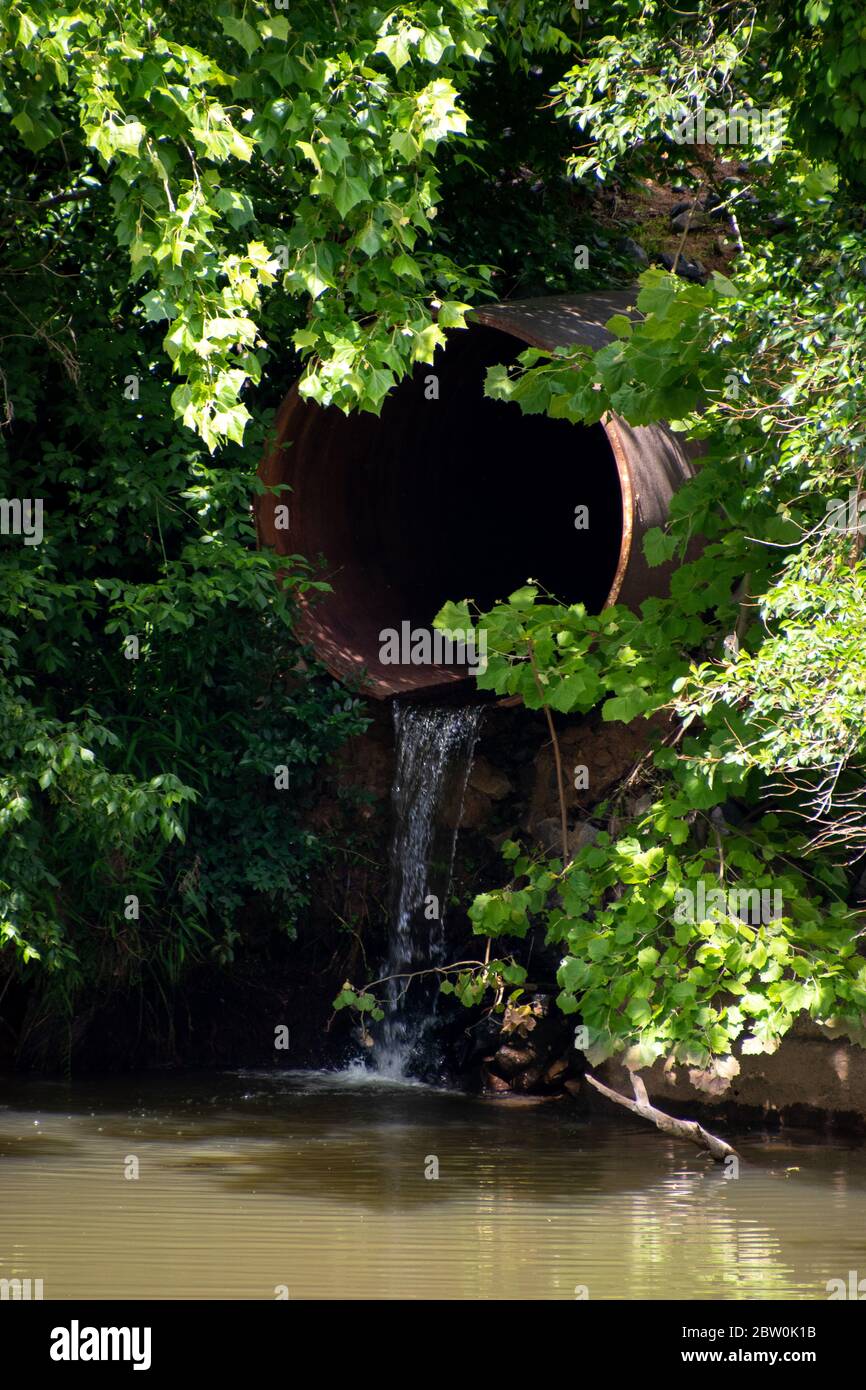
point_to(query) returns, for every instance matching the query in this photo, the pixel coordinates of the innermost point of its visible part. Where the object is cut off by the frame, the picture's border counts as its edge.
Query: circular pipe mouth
(450, 495)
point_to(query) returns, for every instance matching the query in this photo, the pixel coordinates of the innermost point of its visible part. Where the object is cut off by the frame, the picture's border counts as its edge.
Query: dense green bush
(146, 657)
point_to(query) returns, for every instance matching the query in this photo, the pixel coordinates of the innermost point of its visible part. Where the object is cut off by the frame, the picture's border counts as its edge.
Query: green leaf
(454, 617)
(432, 47)
(523, 598)
(625, 707)
(658, 547)
(620, 325)
(395, 49)
(404, 265)
(112, 138)
(348, 192)
(242, 32)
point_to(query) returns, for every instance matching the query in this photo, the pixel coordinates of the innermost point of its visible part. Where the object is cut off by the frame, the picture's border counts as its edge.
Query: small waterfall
(435, 747)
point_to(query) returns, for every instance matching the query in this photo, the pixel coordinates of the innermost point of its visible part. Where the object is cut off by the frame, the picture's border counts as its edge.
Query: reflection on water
(251, 1181)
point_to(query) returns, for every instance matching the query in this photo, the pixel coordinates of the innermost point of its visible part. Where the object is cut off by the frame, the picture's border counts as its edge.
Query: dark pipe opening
(481, 497)
(446, 498)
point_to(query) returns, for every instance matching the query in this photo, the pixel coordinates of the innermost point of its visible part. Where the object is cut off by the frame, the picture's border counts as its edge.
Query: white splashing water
(435, 746)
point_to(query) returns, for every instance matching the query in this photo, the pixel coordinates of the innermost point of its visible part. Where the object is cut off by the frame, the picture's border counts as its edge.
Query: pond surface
(250, 1183)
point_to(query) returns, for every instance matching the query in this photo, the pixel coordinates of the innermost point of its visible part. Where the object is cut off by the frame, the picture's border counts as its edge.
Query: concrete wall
(813, 1079)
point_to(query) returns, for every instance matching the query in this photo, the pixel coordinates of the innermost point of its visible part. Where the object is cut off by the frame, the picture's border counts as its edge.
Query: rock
(555, 1071)
(629, 247)
(473, 809)
(491, 1082)
(586, 834)
(511, 832)
(718, 206)
(511, 1060)
(488, 780)
(607, 751)
(480, 1042)
(548, 832)
(527, 1080)
(690, 222)
(486, 784)
(692, 270)
(549, 835)
(689, 270)
(679, 208)
(573, 1086)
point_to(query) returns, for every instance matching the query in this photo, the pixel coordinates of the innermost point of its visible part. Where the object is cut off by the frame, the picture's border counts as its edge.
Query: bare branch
(677, 1129)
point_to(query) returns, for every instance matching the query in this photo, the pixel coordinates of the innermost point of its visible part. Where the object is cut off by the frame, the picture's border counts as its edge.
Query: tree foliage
(202, 201)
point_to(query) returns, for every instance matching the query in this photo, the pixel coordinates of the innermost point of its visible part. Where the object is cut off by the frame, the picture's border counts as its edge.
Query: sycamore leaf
(348, 192)
(395, 48)
(658, 547)
(242, 33)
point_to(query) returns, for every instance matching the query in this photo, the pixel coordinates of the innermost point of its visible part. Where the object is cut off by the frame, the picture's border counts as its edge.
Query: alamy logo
(847, 514)
(741, 126)
(18, 1289)
(756, 906)
(856, 1287)
(422, 646)
(77, 1343)
(22, 516)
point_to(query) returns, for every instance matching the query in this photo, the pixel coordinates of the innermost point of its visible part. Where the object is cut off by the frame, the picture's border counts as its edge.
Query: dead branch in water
(677, 1129)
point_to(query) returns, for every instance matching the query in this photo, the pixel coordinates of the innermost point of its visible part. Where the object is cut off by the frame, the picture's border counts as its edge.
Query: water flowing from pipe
(435, 746)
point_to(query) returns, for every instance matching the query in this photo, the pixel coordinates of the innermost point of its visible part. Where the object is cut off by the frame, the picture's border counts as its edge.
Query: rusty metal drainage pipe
(461, 497)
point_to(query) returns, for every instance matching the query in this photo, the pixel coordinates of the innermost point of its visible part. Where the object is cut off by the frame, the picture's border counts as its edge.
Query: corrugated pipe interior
(448, 495)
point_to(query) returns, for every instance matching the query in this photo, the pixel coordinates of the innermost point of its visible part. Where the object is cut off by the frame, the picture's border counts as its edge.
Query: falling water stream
(435, 746)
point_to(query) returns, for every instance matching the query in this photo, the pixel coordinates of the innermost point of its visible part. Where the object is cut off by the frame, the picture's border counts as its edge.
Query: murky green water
(249, 1182)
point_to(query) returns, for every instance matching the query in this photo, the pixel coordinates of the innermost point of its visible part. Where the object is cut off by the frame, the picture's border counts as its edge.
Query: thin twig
(687, 228)
(556, 753)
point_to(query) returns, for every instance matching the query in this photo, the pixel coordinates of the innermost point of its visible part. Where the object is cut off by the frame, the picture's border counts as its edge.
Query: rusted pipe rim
(611, 429)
